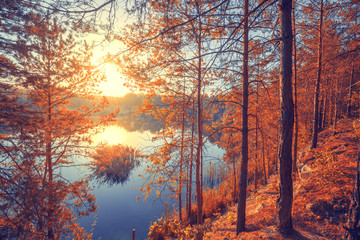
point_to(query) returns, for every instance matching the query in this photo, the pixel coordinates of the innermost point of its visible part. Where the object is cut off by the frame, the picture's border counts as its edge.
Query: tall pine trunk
(350, 91)
(296, 116)
(191, 163)
(263, 158)
(321, 114)
(325, 111)
(256, 147)
(200, 131)
(336, 104)
(240, 226)
(352, 226)
(48, 140)
(318, 79)
(181, 155)
(234, 175)
(284, 203)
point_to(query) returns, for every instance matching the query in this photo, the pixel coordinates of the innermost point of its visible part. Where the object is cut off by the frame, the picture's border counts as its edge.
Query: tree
(318, 79)
(240, 225)
(284, 203)
(352, 225)
(57, 70)
(332, 74)
(296, 115)
(179, 69)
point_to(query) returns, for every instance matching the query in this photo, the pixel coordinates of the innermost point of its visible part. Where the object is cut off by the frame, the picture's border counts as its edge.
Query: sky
(114, 84)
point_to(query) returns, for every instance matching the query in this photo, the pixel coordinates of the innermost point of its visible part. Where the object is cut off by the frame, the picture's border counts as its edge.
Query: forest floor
(322, 191)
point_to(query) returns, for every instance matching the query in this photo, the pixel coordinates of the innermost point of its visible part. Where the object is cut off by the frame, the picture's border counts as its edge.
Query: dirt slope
(322, 192)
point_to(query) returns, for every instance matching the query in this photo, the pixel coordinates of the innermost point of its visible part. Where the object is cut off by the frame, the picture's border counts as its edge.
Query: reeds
(113, 163)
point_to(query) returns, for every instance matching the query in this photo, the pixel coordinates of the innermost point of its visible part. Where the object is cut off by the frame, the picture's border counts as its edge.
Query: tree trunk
(49, 164)
(256, 145)
(284, 203)
(268, 157)
(317, 87)
(50, 220)
(181, 156)
(263, 158)
(352, 227)
(200, 143)
(234, 173)
(240, 226)
(321, 115)
(191, 164)
(325, 112)
(296, 132)
(336, 104)
(350, 91)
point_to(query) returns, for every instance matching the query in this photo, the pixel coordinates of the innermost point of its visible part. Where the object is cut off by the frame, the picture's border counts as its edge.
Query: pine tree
(284, 204)
(57, 70)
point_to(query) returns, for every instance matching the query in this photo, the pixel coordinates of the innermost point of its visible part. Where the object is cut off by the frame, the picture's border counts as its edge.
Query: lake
(119, 211)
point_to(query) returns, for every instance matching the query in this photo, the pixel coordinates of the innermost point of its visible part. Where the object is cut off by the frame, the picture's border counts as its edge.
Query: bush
(164, 229)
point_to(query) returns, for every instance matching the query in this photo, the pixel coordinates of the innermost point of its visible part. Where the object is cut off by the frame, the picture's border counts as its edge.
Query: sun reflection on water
(111, 135)
(115, 134)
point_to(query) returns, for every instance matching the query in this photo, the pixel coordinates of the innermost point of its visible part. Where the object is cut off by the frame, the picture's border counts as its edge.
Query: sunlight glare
(112, 135)
(114, 80)
(114, 84)
(115, 134)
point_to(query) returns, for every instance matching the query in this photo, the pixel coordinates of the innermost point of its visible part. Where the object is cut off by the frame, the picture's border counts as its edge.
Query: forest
(272, 85)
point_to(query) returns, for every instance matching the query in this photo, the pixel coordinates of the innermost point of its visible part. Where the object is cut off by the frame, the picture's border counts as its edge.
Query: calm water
(118, 210)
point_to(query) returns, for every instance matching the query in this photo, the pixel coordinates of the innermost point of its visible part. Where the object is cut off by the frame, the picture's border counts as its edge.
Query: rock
(259, 207)
(332, 210)
(304, 171)
(309, 206)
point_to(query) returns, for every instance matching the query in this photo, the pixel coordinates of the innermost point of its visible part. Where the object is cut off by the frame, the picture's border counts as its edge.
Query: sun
(114, 82)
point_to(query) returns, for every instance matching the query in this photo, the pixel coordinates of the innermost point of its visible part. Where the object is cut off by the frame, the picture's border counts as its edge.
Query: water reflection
(115, 134)
(111, 135)
(118, 210)
(140, 125)
(112, 164)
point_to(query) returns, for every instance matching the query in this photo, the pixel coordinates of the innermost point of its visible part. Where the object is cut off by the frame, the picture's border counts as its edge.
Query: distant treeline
(129, 109)
(127, 104)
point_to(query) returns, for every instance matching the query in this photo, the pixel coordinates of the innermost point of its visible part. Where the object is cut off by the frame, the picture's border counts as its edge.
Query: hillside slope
(322, 192)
